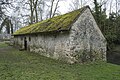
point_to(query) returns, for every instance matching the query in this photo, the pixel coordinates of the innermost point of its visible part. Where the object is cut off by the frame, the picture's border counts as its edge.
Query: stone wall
(18, 41)
(51, 45)
(54, 46)
(84, 42)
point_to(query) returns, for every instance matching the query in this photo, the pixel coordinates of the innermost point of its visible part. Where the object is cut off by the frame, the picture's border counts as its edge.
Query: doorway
(25, 43)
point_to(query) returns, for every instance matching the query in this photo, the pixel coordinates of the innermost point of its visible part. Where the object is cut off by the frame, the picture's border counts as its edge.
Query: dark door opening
(25, 43)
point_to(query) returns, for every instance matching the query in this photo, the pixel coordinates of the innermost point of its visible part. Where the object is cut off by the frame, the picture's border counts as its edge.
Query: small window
(29, 38)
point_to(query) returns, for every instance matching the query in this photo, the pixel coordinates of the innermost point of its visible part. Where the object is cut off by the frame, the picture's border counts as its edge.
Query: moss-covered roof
(57, 23)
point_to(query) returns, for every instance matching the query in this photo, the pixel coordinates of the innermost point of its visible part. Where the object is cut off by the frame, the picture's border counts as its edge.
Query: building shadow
(113, 57)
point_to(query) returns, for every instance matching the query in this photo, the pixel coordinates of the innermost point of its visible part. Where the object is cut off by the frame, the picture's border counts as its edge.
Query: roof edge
(83, 9)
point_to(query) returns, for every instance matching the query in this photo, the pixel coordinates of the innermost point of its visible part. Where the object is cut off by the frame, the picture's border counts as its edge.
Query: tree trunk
(111, 6)
(81, 3)
(51, 8)
(55, 8)
(11, 25)
(35, 8)
(31, 9)
(96, 11)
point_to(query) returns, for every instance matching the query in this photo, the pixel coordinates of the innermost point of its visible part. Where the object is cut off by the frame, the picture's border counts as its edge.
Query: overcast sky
(65, 5)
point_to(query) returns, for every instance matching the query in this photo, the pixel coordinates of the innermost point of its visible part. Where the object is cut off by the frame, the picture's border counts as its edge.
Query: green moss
(2, 44)
(61, 22)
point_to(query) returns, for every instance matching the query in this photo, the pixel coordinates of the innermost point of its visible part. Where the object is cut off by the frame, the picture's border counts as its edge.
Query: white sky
(64, 5)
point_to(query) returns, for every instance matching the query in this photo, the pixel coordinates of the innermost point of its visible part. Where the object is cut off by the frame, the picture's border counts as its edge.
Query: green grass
(2, 45)
(23, 65)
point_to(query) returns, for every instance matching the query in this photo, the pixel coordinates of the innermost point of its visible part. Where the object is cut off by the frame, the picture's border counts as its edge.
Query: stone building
(72, 37)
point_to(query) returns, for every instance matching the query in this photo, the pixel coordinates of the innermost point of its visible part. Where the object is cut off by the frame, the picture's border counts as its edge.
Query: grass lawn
(2, 45)
(23, 65)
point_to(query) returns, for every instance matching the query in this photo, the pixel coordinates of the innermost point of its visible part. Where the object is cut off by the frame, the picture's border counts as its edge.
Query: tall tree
(116, 6)
(33, 9)
(8, 25)
(34, 6)
(76, 4)
(53, 8)
(97, 11)
(111, 6)
(100, 13)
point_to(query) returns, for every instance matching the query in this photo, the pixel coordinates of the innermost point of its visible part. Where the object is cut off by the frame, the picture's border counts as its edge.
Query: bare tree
(111, 6)
(53, 8)
(35, 8)
(5, 21)
(77, 4)
(41, 9)
(9, 26)
(33, 11)
(116, 7)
